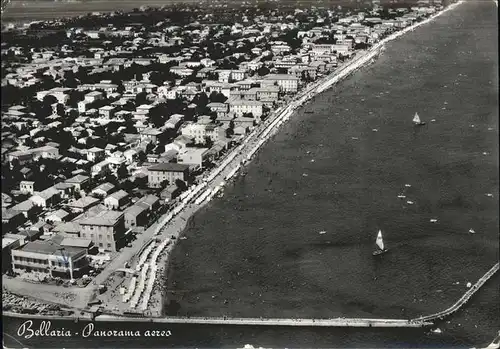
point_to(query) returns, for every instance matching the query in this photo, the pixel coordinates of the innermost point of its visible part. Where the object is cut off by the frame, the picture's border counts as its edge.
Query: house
(103, 190)
(57, 216)
(144, 109)
(11, 219)
(117, 200)
(107, 111)
(151, 135)
(82, 204)
(26, 207)
(67, 228)
(218, 107)
(95, 154)
(101, 168)
(47, 258)
(169, 193)
(46, 198)
(65, 189)
(80, 182)
(27, 187)
(136, 216)
(106, 229)
(166, 172)
(193, 157)
(150, 202)
(93, 96)
(83, 106)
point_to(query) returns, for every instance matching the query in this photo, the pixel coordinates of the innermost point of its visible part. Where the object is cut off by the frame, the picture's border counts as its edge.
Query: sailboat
(380, 245)
(417, 121)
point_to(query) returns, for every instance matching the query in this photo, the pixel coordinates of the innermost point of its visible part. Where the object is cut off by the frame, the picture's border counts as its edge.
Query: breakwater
(339, 322)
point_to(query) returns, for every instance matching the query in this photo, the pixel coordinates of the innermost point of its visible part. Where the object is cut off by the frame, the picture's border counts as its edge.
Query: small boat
(401, 196)
(408, 185)
(322, 232)
(433, 220)
(417, 121)
(489, 195)
(410, 202)
(471, 231)
(380, 245)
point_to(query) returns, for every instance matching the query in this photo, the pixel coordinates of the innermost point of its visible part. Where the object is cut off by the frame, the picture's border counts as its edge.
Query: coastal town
(117, 127)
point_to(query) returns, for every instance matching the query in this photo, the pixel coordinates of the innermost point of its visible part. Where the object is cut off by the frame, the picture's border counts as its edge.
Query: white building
(200, 132)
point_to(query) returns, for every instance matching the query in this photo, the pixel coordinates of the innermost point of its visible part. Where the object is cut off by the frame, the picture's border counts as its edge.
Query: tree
(49, 100)
(262, 71)
(208, 142)
(60, 110)
(122, 171)
(181, 184)
(164, 184)
(142, 157)
(149, 148)
(217, 97)
(141, 98)
(75, 96)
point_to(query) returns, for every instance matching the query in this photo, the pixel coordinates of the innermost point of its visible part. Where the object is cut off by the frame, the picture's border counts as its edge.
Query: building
(80, 182)
(150, 202)
(151, 135)
(193, 156)
(82, 204)
(9, 243)
(47, 258)
(240, 107)
(106, 229)
(136, 216)
(46, 198)
(287, 83)
(199, 132)
(116, 200)
(268, 94)
(101, 168)
(27, 187)
(57, 216)
(167, 172)
(104, 189)
(95, 154)
(107, 111)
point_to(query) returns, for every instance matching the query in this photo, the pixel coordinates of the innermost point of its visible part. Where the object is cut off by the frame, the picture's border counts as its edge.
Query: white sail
(416, 119)
(380, 241)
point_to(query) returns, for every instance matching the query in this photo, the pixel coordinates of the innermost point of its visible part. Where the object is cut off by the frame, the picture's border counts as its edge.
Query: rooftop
(169, 167)
(103, 218)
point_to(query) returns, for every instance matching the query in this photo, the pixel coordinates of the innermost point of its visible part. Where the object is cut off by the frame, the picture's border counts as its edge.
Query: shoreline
(301, 99)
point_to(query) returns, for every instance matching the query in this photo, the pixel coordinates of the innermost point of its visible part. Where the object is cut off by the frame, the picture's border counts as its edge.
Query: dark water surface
(257, 252)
